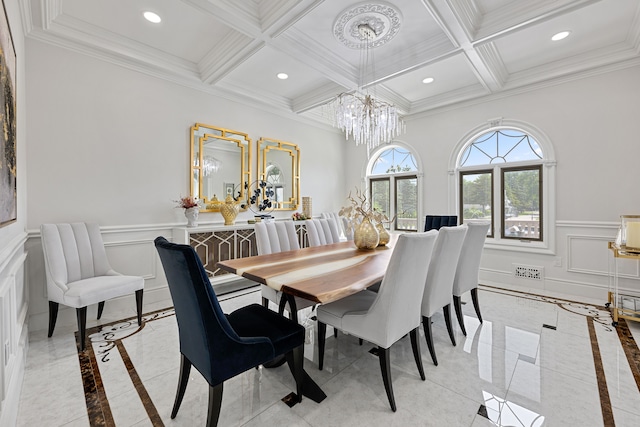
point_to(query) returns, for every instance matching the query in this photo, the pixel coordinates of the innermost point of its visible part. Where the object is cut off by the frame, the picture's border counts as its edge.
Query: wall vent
(528, 272)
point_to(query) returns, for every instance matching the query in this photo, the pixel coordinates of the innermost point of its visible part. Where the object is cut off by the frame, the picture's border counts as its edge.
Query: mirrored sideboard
(220, 243)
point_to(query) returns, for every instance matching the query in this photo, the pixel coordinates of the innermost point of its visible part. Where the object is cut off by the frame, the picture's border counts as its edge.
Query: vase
(365, 235)
(229, 210)
(192, 216)
(383, 234)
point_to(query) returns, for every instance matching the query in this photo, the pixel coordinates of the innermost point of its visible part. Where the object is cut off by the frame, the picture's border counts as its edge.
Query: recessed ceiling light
(561, 35)
(152, 17)
(283, 76)
(428, 80)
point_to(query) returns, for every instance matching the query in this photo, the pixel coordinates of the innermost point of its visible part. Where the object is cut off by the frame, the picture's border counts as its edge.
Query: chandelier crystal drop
(359, 114)
(370, 121)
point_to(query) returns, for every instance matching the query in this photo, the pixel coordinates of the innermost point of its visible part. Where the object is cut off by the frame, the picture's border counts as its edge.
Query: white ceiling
(235, 48)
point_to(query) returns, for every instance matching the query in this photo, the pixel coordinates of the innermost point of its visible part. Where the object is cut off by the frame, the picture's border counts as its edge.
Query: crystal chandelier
(209, 165)
(369, 120)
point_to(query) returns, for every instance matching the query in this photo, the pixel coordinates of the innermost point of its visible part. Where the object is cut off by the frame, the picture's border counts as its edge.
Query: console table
(215, 243)
(616, 300)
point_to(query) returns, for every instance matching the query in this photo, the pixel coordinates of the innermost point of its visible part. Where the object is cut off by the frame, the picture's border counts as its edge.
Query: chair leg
(426, 324)
(322, 331)
(139, 294)
(457, 304)
(385, 368)
(183, 380)
(360, 341)
(447, 320)
(295, 360)
(265, 302)
(474, 297)
(335, 332)
(81, 315)
(100, 309)
(215, 403)
(53, 316)
(415, 346)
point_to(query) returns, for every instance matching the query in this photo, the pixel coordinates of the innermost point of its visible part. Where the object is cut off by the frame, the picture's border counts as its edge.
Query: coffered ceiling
(235, 48)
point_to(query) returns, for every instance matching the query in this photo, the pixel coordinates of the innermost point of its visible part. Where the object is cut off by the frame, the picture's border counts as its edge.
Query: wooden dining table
(321, 274)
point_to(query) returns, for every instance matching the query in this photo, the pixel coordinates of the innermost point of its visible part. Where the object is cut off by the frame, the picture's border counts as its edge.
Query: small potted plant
(191, 208)
(297, 216)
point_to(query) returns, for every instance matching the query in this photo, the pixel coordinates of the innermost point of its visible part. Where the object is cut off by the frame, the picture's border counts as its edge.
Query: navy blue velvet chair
(434, 222)
(222, 346)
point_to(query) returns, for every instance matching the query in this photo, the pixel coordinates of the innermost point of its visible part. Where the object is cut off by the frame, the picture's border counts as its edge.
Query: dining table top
(321, 274)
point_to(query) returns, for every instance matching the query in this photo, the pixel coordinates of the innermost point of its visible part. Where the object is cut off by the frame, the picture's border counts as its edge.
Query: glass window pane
(521, 203)
(394, 160)
(501, 146)
(407, 203)
(477, 197)
(380, 195)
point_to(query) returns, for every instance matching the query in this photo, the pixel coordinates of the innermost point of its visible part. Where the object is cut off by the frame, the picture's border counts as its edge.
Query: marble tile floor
(535, 361)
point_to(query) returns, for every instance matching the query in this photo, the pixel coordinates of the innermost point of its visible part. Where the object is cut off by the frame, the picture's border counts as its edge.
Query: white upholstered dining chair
(274, 237)
(338, 221)
(322, 231)
(78, 273)
(439, 284)
(385, 317)
(466, 278)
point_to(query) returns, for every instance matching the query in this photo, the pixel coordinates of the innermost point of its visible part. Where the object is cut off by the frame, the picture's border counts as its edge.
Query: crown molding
(509, 92)
(467, 15)
(227, 55)
(574, 65)
(316, 97)
(454, 97)
(73, 33)
(244, 14)
(299, 45)
(493, 66)
(518, 15)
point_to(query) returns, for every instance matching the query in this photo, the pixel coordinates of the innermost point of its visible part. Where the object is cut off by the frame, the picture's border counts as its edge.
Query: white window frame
(373, 156)
(548, 244)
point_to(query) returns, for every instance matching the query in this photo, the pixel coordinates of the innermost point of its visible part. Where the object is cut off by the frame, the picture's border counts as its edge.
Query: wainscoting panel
(13, 325)
(590, 254)
(143, 252)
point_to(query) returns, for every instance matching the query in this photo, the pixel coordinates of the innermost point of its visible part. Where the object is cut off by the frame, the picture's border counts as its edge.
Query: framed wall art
(8, 161)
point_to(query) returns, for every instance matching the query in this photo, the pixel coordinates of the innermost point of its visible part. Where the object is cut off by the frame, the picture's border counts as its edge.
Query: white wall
(593, 125)
(14, 295)
(111, 145)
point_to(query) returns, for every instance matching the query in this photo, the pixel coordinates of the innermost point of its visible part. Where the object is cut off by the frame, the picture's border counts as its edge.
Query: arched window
(502, 178)
(393, 186)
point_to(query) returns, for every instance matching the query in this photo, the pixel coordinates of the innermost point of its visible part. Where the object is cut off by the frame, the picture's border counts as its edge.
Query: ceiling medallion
(383, 18)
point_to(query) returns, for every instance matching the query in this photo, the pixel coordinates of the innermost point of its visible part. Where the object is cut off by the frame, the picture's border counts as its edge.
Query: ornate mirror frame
(289, 161)
(202, 134)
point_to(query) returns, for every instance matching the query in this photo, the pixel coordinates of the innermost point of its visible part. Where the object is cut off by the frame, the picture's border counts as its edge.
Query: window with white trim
(501, 179)
(393, 187)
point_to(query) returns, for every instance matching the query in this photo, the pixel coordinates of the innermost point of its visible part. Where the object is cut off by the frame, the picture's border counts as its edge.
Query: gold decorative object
(360, 216)
(229, 210)
(383, 233)
(306, 207)
(365, 235)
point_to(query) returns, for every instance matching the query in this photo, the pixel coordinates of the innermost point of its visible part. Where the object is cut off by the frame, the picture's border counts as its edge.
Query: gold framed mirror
(279, 167)
(220, 164)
